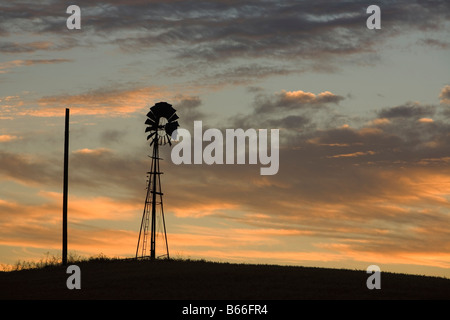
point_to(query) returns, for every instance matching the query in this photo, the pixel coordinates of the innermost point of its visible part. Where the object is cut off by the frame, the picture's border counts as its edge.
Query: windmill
(161, 121)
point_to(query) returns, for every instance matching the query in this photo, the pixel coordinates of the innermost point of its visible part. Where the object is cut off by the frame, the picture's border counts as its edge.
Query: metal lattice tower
(161, 121)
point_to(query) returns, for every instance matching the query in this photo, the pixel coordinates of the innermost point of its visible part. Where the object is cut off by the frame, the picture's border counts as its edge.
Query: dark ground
(199, 280)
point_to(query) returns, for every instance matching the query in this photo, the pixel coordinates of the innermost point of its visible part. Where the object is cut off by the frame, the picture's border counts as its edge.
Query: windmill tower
(161, 121)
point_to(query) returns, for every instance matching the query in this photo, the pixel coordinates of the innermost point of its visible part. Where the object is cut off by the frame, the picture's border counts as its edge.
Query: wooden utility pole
(65, 188)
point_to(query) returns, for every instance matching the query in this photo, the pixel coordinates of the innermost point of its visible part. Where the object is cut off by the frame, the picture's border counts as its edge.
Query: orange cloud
(317, 141)
(103, 102)
(95, 208)
(380, 121)
(9, 106)
(445, 95)
(7, 138)
(38, 225)
(309, 97)
(354, 154)
(263, 181)
(197, 210)
(429, 258)
(5, 67)
(369, 131)
(93, 241)
(98, 151)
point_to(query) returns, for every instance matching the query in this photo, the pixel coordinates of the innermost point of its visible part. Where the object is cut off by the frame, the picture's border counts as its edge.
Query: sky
(363, 116)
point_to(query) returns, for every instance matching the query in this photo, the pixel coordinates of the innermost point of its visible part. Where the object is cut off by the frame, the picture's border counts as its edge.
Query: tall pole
(65, 188)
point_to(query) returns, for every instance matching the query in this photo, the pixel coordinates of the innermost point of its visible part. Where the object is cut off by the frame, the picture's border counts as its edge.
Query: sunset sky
(364, 120)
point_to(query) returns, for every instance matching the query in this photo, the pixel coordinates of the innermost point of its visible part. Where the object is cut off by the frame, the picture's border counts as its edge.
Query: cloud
(407, 111)
(101, 171)
(188, 102)
(94, 152)
(7, 138)
(111, 101)
(111, 136)
(434, 43)
(5, 67)
(28, 169)
(221, 31)
(292, 100)
(371, 209)
(107, 102)
(354, 154)
(14, 47)
(246, 74)
(376, 190)
(385, 181)
(289, 122)
(295, 111)
(92, 208)
(189, 109)
(37, 225)
(445, 95)
(308, 97)
(9, 106)
(201, 210)
(62, 43)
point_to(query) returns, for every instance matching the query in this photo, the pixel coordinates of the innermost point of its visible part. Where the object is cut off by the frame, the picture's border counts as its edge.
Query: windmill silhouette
(161, 121)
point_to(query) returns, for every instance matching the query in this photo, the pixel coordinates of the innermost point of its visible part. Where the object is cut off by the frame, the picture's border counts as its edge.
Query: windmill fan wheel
(161, 121)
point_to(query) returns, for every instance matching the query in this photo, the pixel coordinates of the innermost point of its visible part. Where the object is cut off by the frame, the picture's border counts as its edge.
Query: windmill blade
(151, 116)
(150, 122)
(173, 118)
(171, 127)
(162, 109)
(151, 128)
(151, 134)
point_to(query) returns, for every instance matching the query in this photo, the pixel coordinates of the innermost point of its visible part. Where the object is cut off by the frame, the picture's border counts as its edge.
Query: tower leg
(155, 173)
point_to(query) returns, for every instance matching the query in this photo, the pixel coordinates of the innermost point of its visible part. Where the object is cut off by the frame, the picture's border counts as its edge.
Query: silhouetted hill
(200, 280)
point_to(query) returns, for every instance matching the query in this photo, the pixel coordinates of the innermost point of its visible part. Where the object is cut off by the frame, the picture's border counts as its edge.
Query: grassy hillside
(200, 280)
